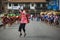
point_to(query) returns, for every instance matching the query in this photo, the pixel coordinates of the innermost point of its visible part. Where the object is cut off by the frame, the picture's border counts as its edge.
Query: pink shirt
(23, 18)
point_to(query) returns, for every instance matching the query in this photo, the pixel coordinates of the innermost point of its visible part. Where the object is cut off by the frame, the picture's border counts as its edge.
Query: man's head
(24, 11)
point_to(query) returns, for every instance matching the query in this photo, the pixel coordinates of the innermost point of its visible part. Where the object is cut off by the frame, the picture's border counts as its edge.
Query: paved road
(35, 31)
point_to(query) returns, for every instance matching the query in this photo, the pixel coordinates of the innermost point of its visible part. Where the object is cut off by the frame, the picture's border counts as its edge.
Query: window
(15, 4)
(27, 6)
(5, 0)
(9, 4)
(41, 5)
(32, 4)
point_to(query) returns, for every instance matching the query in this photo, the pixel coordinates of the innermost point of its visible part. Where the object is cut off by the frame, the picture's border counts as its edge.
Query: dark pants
(22, 27)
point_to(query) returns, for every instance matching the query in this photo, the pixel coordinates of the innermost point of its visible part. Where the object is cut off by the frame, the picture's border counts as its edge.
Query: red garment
(28, 15)
(5, 20)
(24, 18)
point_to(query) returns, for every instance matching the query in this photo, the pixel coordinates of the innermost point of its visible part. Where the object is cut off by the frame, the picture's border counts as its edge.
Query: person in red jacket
(23, 22)
(5, 20)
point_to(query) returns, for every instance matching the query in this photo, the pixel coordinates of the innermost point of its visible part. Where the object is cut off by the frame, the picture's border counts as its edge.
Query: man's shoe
(24, 34)
(20, 34)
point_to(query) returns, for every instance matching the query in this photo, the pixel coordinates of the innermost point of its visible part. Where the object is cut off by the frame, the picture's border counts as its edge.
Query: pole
(58, 4)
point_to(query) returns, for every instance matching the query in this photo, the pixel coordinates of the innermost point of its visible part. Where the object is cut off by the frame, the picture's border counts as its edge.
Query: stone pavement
(35, 31)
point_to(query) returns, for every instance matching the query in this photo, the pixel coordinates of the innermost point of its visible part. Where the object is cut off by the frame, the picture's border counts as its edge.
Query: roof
(26, 0)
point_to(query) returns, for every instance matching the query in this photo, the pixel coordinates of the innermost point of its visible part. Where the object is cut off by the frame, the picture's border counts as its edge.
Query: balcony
(27, 8)
(39, 8)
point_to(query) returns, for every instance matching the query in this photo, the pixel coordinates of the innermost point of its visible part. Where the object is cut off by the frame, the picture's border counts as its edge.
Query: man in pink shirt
(23, 22)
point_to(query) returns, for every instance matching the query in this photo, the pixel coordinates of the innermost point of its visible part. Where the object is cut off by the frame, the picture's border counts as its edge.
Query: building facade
(3, 6)
(53, 5)
(0, 6)
(35, 5)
